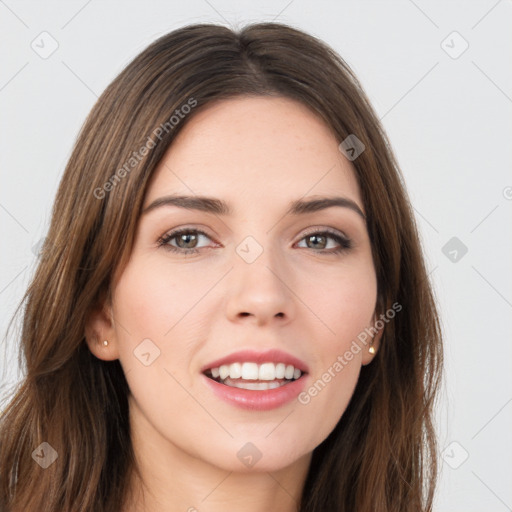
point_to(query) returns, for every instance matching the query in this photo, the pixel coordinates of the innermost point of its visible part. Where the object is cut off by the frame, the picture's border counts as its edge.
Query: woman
(232, 310)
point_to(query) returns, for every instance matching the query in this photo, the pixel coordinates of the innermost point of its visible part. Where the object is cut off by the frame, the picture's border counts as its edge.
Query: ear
(100, 327)
(374, 342)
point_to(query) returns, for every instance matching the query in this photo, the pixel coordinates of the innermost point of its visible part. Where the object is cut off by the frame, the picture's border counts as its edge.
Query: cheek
(154, 313)
(151, 301)
(344, 303)
(146, 307)
(345, 306)
(168, 308)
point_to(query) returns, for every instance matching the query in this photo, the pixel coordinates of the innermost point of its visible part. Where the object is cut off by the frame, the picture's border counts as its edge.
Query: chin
(257, 457)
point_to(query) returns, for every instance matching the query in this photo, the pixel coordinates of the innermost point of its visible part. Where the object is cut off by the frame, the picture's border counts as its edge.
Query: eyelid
(200, 228)
(324, 229)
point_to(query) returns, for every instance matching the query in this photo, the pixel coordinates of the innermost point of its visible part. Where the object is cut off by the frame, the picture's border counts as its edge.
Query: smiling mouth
(255, 377)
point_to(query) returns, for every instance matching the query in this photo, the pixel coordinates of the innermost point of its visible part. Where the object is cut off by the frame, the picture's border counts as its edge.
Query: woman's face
(258, 279)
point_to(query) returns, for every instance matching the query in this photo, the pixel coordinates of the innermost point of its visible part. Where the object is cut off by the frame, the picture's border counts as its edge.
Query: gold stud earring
(105, 343)
(371, 349)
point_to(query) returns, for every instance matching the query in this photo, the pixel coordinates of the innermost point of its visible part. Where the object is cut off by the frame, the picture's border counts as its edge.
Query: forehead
(249, 148)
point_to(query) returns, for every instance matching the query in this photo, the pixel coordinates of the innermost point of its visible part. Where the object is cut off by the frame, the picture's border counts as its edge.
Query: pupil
(315, 237)
(186, 238)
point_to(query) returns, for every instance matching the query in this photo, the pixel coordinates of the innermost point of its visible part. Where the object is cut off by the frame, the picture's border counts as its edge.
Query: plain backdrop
(439, 76)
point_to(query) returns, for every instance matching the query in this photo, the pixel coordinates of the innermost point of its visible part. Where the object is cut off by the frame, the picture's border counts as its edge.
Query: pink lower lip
(257, 400)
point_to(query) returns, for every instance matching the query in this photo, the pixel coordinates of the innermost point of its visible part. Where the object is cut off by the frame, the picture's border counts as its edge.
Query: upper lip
(252, 356)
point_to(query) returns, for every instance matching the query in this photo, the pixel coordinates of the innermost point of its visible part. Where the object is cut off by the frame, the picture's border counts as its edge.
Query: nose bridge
(258, 285)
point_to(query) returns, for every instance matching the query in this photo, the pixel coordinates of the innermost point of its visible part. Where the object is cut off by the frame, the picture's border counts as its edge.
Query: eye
(319, 240)
(186, 240)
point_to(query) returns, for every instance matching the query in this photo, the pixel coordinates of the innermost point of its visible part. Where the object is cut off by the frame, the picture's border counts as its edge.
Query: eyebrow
(219, 207)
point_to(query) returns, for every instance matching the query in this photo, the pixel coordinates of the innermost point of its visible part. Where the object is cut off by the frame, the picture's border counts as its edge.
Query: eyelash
(345, 243)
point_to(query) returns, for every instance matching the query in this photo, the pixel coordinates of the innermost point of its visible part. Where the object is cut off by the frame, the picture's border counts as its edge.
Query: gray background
(448, 117)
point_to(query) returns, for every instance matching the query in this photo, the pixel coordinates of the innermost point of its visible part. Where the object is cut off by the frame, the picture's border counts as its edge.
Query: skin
(258, 154)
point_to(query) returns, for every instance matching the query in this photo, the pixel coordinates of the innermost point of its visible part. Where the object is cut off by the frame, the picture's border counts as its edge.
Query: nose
(260, 290)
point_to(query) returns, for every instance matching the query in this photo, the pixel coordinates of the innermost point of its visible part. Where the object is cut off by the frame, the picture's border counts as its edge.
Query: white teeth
(288, 373)
(235, 370)
(267, 371)
(280, 368)
(224, 371)
(249, 371)
(253, 371)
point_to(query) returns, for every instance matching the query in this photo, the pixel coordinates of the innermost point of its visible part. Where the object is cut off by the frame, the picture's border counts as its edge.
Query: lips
(256, 380)
(254, 400)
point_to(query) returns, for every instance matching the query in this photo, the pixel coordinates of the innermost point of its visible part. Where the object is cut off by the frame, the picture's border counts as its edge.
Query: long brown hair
(381, 456)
